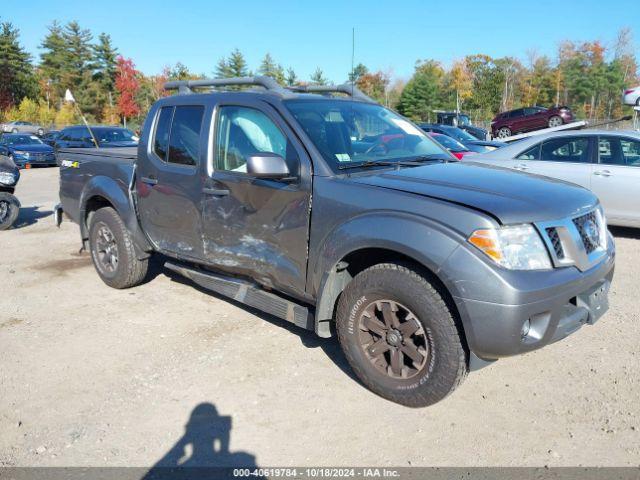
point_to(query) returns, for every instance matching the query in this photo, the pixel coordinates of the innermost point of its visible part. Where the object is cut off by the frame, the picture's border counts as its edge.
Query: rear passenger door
(252, 226)
(565, 158)
(169, 183)
(616, 178)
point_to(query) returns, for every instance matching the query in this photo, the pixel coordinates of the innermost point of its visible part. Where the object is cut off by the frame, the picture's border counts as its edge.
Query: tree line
(108, 88)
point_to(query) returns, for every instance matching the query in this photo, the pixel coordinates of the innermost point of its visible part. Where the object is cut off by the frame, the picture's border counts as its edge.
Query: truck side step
(247, 293)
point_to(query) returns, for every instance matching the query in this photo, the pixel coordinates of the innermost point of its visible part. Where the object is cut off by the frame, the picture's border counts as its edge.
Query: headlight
(516, 247)
(22, 154)
(7, 178)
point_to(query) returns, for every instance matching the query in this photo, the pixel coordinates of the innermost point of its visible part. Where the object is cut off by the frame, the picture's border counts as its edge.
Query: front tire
(400, 337)
(9, 210)
(112, 251)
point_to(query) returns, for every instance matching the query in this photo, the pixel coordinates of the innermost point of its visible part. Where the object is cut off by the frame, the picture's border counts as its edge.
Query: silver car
(22, 127)
(606, 162)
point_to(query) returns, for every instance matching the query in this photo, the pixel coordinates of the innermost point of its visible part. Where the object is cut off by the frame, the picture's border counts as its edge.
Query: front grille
(589, 229)
(554, 238)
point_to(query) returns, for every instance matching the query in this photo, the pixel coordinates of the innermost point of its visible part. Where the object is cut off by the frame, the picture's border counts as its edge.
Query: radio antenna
(353, 58)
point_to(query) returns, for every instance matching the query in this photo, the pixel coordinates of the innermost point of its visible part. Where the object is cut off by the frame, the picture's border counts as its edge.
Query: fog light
(526, 326)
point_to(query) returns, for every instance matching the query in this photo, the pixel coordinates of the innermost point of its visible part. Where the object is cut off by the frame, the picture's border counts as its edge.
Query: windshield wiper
(410, 162)
(368, 163)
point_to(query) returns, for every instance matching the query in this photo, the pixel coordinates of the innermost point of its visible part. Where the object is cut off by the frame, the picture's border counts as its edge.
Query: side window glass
(161, 135)
(531, 154)
(609, 151)
(571, 149)
(184, 141)
(243, 131)
(631, 152)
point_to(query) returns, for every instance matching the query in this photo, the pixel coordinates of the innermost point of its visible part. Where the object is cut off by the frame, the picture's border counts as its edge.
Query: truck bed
(80, 167)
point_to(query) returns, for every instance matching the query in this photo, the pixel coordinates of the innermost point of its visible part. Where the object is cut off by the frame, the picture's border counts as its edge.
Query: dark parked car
(469, 141)
(527, 119)
(9, 204)
(26, 150)
(80, 137)
(426, 267)
(463, 121)
(50, 137)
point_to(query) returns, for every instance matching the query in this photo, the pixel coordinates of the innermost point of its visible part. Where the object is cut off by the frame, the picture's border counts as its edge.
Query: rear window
(184, 140)
(161, 136)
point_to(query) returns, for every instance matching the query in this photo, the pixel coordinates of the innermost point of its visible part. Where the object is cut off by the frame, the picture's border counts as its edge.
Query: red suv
(526, 119)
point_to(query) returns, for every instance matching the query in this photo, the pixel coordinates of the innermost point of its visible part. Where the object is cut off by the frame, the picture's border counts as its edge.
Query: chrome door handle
(521, 166)
(602, 173)
(149, 180)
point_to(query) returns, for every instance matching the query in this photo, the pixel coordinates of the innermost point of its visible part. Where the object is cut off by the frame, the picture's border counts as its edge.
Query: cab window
(242, 132)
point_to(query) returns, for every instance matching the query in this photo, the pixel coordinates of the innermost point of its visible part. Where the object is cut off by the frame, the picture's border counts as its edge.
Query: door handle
(216, 192)
(602, 173)
(149, 180)
(521, 166)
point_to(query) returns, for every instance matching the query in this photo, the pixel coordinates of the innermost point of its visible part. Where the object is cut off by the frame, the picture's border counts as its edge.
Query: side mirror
(268, 165)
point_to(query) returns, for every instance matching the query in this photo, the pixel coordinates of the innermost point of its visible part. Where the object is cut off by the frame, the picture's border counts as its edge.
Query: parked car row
(30, 150)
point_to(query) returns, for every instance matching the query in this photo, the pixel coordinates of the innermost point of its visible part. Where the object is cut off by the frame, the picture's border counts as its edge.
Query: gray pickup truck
(323, 208)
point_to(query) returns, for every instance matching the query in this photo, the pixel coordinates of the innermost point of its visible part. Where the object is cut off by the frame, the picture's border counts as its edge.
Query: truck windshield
(348, 133)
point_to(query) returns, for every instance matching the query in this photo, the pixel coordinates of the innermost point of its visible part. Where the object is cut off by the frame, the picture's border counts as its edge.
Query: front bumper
(550, 305)
(33, 160)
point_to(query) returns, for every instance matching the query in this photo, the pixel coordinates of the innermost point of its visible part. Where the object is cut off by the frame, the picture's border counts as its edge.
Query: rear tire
(400, 337)
(555, 121)
(9, 210)
(504, 132)
(112, 251)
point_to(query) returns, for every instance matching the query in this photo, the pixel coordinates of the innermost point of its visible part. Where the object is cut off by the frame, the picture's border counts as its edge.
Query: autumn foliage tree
(127, 86)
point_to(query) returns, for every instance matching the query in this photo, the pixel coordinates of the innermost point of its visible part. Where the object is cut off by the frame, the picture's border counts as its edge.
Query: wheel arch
(105, 192)
(423, 244)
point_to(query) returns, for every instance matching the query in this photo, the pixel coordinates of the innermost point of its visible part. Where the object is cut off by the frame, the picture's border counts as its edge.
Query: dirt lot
(91, 376)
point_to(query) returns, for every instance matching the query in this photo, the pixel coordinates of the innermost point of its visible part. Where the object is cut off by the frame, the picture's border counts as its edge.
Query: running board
(248, 294)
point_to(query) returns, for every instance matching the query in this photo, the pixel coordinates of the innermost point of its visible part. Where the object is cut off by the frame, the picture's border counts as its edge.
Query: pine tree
(237, 65)
(292, 78)
(222, 69)
(270, 68)
(16, 73)
(54, 59)
(105, 55)
(318, 77)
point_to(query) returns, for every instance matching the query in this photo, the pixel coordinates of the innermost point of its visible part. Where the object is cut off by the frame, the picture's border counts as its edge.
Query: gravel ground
(91, 376)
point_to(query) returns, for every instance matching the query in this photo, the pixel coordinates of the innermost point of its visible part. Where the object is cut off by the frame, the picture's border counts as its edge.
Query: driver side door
(257, 227)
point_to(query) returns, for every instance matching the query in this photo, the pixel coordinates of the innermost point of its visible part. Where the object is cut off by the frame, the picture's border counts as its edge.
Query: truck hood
(510, 197)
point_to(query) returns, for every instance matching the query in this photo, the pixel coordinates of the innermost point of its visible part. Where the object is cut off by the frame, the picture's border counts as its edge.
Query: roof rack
(268, 83)
(185, 86)
(346, 88)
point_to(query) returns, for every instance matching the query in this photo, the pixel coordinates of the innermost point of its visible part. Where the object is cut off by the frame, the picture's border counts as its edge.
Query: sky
(389, 35)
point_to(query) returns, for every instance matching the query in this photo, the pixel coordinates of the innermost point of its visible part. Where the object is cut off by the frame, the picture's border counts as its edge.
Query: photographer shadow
(203, 448)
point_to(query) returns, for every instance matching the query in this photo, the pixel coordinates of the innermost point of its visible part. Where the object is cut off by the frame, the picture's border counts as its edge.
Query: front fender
(425, 241)
(119, 196)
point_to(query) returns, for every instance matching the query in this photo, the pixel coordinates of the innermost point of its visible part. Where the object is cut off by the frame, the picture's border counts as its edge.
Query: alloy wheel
(4, 210)
(106, 249)
(555, 122)
(393, 339)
